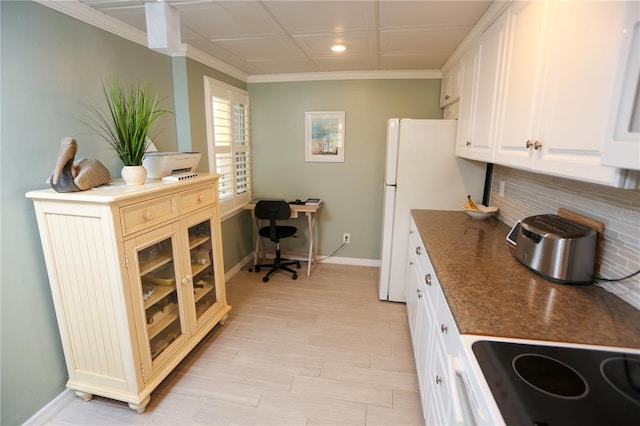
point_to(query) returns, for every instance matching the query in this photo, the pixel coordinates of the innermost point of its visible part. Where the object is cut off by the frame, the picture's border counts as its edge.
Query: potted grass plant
(125, 125)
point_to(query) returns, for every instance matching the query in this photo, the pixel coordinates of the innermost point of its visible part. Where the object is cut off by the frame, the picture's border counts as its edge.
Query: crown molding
(105, 22)
(97, 19)
(210, 61)
(346, 75)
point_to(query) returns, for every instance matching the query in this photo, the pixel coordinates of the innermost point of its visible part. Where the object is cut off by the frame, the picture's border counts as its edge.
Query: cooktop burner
(549, 385)
(550, 376)
(624, 376)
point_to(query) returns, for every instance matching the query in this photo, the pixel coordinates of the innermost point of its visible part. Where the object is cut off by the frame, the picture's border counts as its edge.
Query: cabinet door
(445, 91)
(205, 271)
(583, 45)
(521, 89)
(489, 63)
(450, 87)
(157, 291)
(465, 112)
(481, 70)
(411, 295)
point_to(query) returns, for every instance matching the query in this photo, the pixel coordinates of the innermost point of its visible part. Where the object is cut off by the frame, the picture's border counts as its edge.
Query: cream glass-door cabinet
(137, 279)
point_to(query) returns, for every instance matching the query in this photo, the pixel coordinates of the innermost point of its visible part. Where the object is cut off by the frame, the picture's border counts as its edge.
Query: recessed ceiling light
(338, 47)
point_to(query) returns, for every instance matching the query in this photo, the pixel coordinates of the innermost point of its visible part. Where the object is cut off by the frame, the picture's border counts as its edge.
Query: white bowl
(483, 212)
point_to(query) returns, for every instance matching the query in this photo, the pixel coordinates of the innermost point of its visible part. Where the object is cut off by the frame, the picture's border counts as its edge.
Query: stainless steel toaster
(557, 248)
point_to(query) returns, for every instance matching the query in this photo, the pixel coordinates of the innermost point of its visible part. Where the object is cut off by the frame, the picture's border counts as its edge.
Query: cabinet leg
(139, 408)
(223, 320)
(84, 395)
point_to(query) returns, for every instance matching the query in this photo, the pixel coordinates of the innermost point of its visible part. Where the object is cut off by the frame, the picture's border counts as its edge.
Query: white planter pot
(134, 175)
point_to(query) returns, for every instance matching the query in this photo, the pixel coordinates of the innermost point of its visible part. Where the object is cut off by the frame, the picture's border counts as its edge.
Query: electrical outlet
(346, 238)
(502, 185)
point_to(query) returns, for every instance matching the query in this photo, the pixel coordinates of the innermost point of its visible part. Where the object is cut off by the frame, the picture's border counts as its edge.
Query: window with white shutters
(229, 143)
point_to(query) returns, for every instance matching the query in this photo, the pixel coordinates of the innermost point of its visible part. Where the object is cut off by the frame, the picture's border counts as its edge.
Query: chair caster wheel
(250, 269)
(294, 276)
(298, 265)
(257, 269)
(265, 279)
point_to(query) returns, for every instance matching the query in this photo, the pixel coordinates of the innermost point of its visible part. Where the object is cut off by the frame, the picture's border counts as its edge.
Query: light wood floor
(321, 350)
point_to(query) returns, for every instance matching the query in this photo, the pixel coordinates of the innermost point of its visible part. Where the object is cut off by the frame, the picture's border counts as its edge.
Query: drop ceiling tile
(227, 19)
(213, 50)
(424, 40)
(317, 46)
(349, 63)
(414, 62)
(321, 17)
(421, 14)
(261, 48)
(284, 66)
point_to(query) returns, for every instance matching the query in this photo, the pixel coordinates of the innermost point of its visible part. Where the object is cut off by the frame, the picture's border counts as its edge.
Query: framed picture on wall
(324, 136)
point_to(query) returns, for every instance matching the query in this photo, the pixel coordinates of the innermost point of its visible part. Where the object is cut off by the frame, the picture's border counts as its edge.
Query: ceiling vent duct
(163, 27)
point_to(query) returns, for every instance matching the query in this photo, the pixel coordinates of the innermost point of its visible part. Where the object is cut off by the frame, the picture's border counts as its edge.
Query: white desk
(296, 209)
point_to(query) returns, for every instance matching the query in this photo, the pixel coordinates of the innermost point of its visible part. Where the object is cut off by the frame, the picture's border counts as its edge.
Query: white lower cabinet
(137, 280)
(440, 358)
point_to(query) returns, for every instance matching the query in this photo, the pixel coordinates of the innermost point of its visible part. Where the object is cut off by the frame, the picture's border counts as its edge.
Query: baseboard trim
(238, 267)
(46, 413)
(296, 256)
(349, 261)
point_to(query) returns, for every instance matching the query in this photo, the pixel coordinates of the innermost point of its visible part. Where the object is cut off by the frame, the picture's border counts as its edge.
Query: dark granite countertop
(491, 293)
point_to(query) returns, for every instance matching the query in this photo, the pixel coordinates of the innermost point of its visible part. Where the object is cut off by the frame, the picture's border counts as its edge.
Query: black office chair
(274, 211)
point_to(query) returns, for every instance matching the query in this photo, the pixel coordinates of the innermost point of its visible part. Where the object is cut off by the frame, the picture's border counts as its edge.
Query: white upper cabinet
(450, 87)
(560, 68)
(520, 83)
(481, 68)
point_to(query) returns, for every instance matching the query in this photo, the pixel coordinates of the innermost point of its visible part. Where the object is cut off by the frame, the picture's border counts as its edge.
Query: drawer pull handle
(444, 329)
(468, 143)
(447, 97)
(537, 146)
(201, 198)
(418, 250)
(528, 144)
(419, 293)
(438, 380)
(148, 214)
(427, 279)
(186, 280)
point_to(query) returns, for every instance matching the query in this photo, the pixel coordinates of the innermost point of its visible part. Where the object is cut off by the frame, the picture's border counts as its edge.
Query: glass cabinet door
(160, 295)
(202, 268)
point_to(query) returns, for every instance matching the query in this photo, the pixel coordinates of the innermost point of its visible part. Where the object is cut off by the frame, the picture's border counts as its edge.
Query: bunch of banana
(470, 205)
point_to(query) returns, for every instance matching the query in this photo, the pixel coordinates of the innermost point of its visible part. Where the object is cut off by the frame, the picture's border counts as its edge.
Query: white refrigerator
(421, 172)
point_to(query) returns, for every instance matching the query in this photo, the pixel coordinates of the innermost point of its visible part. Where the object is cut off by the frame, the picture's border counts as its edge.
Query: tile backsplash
(528, 194)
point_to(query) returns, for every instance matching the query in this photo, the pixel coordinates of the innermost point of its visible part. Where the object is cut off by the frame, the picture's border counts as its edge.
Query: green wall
(49, 79)
(236, 230)
(351, 190)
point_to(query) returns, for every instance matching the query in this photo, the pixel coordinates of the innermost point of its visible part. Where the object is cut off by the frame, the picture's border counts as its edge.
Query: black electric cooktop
(548, 385)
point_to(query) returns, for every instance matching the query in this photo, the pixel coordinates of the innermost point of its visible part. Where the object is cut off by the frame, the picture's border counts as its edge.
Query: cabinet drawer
(427, 276)
(446, 327)
(196, 198)
(139, 216)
